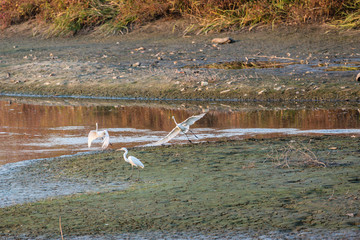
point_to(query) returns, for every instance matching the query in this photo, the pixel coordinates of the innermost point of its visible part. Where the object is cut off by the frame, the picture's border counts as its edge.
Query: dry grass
(294, 154)
(114, 16)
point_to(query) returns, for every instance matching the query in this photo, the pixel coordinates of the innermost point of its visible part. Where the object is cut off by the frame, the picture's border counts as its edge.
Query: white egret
(132, 160)
(94, 134)
(183, 127)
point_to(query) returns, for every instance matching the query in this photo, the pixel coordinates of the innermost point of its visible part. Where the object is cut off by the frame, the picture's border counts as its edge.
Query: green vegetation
(342, 68)
(245, 65)
(113, 16)
(223, 186)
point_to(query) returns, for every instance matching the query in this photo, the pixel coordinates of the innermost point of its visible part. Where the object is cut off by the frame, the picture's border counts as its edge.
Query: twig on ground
(61, 232)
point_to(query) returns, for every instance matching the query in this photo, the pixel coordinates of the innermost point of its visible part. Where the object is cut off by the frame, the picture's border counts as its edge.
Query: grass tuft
(118, 16)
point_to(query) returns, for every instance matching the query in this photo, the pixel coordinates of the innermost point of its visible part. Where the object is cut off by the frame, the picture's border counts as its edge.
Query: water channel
(32, 129)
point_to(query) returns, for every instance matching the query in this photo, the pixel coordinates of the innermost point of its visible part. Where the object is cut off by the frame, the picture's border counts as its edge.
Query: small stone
(358, 77)
(137, 64)
(51, 74)
(140, 49)
(222, 40)
(261, 92)
(204, 83)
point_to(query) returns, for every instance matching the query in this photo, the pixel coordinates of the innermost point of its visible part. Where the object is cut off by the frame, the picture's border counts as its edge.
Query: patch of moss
(211, 186)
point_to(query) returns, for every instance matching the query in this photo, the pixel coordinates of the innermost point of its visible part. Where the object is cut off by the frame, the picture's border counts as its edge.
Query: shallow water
(31, 131)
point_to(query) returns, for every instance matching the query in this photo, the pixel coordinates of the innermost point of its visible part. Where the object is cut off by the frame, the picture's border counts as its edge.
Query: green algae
(245, 65)
(342, 68)
(223, 186)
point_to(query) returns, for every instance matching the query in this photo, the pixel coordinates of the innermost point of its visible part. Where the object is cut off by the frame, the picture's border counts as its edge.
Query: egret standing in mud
(183, 127)
(94, 134)
(133, 161)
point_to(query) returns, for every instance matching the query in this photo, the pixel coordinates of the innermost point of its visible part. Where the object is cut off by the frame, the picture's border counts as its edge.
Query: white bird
(132, 160)
(183, 127)
(94, 134)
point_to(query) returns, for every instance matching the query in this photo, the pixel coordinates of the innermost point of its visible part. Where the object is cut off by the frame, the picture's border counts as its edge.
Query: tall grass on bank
(71, 16)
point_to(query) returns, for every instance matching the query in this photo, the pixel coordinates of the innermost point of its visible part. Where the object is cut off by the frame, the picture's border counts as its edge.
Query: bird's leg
(132, 170)
(193, 133)
(188, 138)
(138, 179)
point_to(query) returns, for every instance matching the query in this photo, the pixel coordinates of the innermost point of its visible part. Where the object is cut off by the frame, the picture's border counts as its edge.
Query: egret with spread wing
(183, 127)
(94, 134)
(133, 161)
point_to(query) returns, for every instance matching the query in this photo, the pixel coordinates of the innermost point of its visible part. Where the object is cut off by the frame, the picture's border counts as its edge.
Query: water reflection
(29, 131)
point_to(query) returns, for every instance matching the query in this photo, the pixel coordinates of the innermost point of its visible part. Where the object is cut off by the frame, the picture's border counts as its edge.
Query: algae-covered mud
(278, 188)
(305, 63)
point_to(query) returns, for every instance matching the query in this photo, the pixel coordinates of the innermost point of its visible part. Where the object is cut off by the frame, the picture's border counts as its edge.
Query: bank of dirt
(279, 187)
(316, 63)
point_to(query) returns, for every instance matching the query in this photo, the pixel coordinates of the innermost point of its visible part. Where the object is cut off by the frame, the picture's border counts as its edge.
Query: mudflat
(297, 63)
(279, 187)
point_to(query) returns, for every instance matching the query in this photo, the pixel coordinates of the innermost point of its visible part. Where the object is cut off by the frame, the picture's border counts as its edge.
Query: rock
(222, 40)
(140, 49)
(137, 64)
(204, 83)
(261, 92)
(358, 77)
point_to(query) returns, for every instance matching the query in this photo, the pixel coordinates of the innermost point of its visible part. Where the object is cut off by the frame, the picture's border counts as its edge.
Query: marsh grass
(119, 16)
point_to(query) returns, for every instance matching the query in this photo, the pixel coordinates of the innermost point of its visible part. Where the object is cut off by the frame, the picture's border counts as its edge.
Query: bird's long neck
(174, 120)
(96, 126)
(125, 153)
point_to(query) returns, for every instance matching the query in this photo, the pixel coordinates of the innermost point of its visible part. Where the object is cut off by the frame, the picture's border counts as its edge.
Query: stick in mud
(61, 232)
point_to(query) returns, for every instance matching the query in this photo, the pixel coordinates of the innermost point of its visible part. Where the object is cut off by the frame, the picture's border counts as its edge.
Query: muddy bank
(297, 185)
(315, 64)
